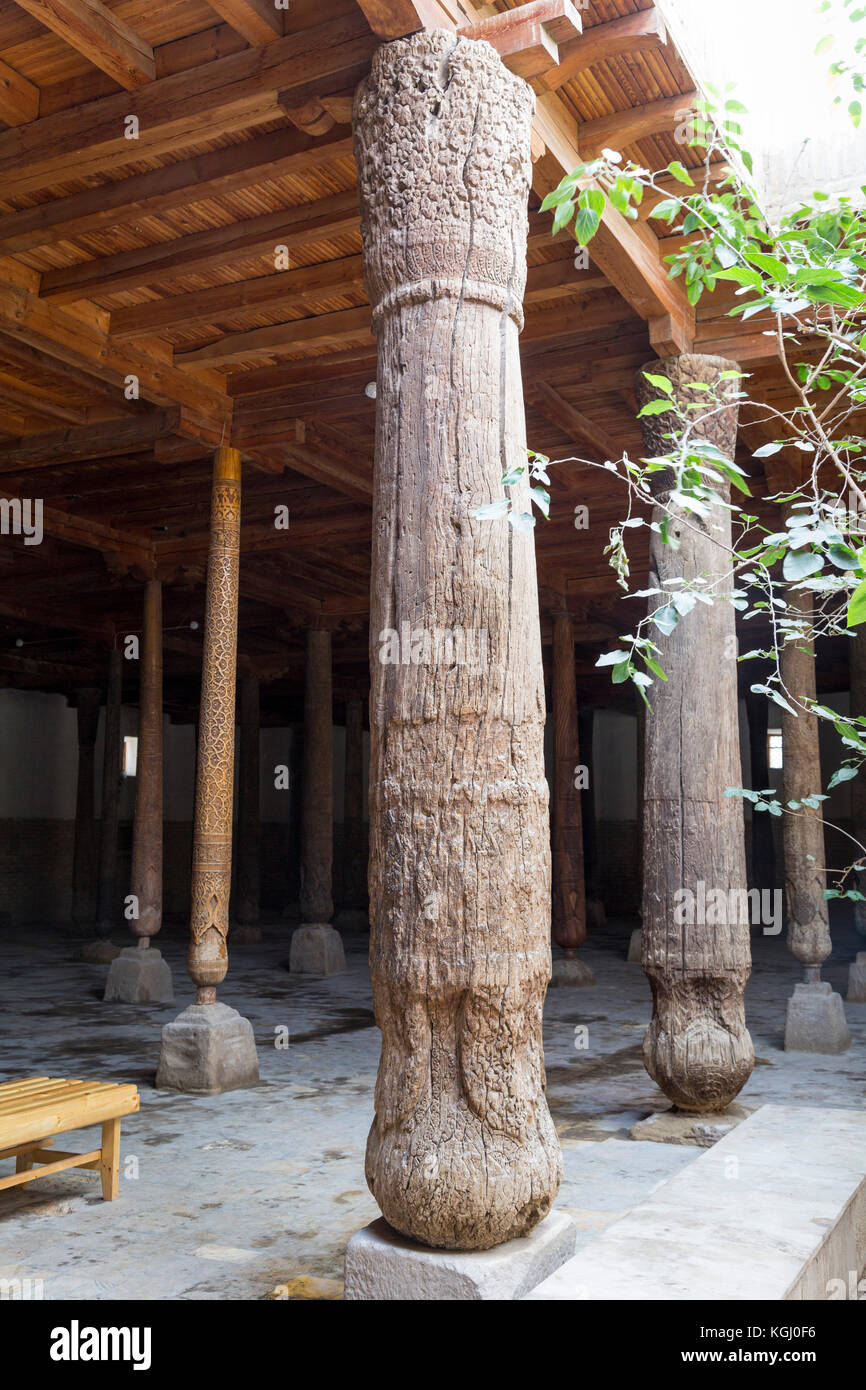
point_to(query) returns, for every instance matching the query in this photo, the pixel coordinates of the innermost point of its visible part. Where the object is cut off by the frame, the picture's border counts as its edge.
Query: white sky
(767, 47)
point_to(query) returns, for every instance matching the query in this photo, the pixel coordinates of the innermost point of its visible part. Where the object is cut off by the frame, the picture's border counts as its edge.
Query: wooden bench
(34, 1110)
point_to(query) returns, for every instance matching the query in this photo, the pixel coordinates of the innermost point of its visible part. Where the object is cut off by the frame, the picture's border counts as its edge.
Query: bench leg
(109, 1164)
(24, 1162)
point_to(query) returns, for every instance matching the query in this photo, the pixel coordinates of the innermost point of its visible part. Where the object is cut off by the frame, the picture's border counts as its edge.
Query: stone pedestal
(208, 1048)
(383, 1266)
(857, 980)
(571, 973)
(816, 1020)
(317, 949)
(139, 977)
(635, 945)
(689, 1127)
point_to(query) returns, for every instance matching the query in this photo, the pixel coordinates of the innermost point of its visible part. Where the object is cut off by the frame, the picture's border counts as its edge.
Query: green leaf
(661, 383)
(843, 557)
(655, 408)
(586, 225)
(798, 563)
(844, 774)
(857, 606)
(612, 659)
(855, 111)
(562, 216)
(680, 173)
(621, 673)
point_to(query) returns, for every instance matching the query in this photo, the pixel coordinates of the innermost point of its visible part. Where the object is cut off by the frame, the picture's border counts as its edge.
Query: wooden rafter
(257, 21)
(98, 35)
(19, 99)
(634, 33)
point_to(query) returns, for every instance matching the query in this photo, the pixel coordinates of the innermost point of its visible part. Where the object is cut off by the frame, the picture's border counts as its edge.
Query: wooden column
(317, 808)
(147, 826)
(462, 1153)
(214, 783)
(569, 893)
(697, 1048)
(249, 824)
(111, 781)
(88, 701)
(803, 833)
(763, 849)
(353, 807)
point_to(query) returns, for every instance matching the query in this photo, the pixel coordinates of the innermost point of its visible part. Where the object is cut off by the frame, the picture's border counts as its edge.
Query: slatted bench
(34, 1110)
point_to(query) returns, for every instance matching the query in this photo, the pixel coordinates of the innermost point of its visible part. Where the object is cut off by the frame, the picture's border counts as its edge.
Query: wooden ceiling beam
(634, 33)
(257, 21)
(206, 410)
(202, 177)
(624, 128)
(136, 432)
(572, 422)
(228, 94)
(19, 99)
(304, 225)
(527, 38)
(100, 36)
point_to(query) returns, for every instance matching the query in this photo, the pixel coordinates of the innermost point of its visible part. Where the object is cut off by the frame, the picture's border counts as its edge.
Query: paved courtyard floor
(230, 1196)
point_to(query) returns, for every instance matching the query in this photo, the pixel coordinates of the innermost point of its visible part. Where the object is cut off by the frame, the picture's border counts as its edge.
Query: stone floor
(229, 1196)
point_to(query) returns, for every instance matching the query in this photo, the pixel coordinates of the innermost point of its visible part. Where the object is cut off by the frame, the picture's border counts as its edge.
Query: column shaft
(147, 826)
(462, 1153)
(84, 850)
(569, 897)
(111, 781)
(214, 786)
(249, 825)
(317, 810)
(763, 850)
(353, 809)
(697, 1048)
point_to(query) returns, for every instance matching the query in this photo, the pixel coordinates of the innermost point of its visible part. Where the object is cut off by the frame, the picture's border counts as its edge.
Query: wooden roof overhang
(153, 158)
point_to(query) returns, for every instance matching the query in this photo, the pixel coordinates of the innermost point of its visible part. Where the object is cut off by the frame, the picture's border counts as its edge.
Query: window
(130, 755)
(775, 755)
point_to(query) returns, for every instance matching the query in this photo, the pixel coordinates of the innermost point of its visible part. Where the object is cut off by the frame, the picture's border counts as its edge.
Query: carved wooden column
(317, 948)
(697, 1048)
(111, 782)
(569, 893)
(248, 932)
(210, 1047)
(141, 975)
(763, 849)
(462, 1153)
(83, 912)
(354, 913)
(815, 1020)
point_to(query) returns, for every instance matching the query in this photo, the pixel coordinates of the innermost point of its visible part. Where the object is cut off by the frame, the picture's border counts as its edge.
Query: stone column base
(97, 952)
(816, 1020)
(208, 1048)
(572, 973)
(382, 1265)
(857, 980)
(317, 949)
(635, 945)
(701, 1129)
(139, 977)
(245, 934)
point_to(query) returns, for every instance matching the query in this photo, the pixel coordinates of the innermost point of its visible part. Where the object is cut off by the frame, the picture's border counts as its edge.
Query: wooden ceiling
(154, 160)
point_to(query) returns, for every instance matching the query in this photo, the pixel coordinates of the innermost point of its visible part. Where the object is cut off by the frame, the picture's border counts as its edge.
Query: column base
(317, 949)
(383, 1266)
(635, 946)
(207, 1049)
(816, 1020)
(139, 977)
(97, 952)
(857, 980)
(245, 934)
(571, 973)
(701, 1129)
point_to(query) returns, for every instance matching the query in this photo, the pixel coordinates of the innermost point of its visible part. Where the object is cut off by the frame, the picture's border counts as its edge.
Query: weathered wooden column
(248, 932)
(763, 849)
(815, 1020)
(462, 1153)
(317, 948)
(111, 782)
(87, 702)
(857, 685)
(353, 914)
(210, 1047)
(697, 1047)
(140, 976)
(569, 890)
(635, 945)
(595, 913)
